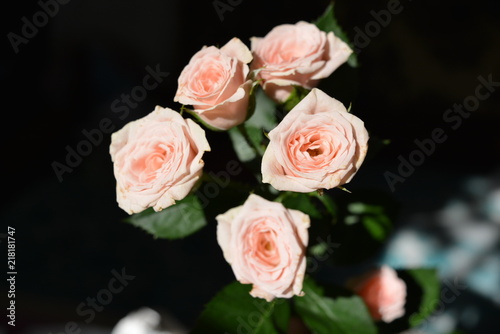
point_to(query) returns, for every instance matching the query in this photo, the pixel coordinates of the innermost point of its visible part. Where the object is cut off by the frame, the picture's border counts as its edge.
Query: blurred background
(70, 236)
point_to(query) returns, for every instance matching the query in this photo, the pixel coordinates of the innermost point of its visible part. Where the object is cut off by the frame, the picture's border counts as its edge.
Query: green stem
(264, 317)
(183, 108)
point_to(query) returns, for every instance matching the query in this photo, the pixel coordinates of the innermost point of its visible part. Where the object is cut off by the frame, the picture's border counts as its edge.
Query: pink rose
(299, 55)
(318, 145)
(215, 84)
(157, 160)
(383, 292)
(265, 244)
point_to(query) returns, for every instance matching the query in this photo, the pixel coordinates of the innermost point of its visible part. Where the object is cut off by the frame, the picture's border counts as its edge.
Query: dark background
(70, 234)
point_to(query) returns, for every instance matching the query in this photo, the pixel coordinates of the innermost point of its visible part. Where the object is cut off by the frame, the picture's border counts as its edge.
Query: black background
(70, 234)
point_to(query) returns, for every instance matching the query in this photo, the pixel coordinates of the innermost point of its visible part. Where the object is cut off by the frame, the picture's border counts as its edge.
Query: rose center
(266, 241)
(312, 146)
(267, 251)
(268, 246)
(154, 161)
(210, 78)
(147, 166)
(293, 51)
(314, 151)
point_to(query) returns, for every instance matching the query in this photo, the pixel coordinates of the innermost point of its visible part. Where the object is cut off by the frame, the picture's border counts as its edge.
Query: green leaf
(264, 116)
(327, 201)
(298, 93)
(243, 149)
(319, 249)
(328, 22)
(233, 310)
(175, 222)
(351, 219)
(281, 315)
(301, 202)
(248, 137)
(428, 281)
(256, 136)
(374, 226)
(251, 101)
(324, 315)
(374, 219)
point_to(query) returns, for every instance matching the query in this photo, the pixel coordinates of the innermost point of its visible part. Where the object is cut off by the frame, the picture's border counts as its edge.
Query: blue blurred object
(462, 240)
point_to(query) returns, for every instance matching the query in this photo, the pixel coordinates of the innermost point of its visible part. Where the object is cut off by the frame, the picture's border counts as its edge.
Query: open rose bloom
(383, 292)
(265, 244)
(215, 84)
(296, 55)
(157, 160)
(318, 145)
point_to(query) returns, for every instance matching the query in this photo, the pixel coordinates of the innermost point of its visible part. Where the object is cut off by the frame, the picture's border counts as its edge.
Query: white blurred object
(411, 248)
(445, 323)
(146, 321)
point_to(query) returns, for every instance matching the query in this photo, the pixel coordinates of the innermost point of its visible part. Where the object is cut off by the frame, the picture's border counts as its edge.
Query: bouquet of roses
(301, 146)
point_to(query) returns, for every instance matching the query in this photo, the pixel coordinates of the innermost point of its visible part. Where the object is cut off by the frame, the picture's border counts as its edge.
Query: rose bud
(296, 55)
(383, 292)
(215, 83)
